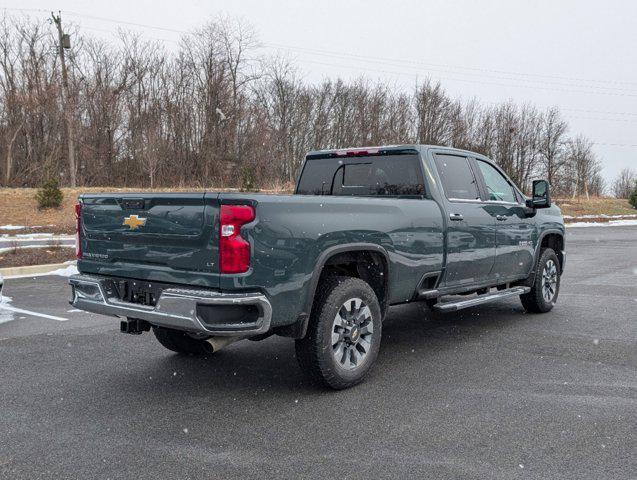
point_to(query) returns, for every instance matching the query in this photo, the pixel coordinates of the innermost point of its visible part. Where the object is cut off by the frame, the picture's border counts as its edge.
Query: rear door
(171, 237)
(470, 227)
(515, 231)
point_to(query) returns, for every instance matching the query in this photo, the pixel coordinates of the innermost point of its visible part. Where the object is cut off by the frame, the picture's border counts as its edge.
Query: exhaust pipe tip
(217, 343)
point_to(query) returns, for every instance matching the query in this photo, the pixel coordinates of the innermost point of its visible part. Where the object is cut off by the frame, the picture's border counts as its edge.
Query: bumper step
(198, 311)
(452, 306)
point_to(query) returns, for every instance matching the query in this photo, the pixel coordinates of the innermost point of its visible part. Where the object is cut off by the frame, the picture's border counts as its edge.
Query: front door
(515, 231)
(470, 227)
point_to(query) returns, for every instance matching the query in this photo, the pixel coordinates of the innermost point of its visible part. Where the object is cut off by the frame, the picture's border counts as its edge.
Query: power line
(615, 144)
(401, 62)
(111, 33)
(592, 88)
(624, 120)
(134, 24)
(484, 82)
(599, 111)
(392, 62)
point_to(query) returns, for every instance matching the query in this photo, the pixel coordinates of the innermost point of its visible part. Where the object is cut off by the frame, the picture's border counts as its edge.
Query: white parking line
(4, 306)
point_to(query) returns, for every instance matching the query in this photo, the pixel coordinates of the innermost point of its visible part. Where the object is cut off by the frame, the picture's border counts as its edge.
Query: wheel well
(554, 241)
(367, 265)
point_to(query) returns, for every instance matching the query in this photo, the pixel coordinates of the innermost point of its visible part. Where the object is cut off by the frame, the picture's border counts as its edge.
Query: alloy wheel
(549, 281)
(352, 333)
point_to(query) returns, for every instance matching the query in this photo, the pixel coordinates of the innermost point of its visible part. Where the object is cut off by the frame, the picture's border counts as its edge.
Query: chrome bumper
(176, 307)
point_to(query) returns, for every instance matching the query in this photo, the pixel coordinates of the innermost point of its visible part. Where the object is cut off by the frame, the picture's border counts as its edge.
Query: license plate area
(136, 291)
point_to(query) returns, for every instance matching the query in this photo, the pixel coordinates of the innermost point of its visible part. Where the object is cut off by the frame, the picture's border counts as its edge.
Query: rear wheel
(546, 285)
(181, 342)
(344, 332)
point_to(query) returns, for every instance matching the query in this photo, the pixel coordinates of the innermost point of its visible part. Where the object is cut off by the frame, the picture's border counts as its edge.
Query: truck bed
(179, 243)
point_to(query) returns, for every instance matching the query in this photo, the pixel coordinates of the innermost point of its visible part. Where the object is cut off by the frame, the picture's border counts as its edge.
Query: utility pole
(63, 43)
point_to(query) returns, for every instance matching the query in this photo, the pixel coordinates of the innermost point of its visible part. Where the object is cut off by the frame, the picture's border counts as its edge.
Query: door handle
(456, 216)
(501, 218)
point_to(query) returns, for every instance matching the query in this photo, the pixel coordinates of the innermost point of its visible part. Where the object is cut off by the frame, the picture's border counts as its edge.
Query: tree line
(215, 112)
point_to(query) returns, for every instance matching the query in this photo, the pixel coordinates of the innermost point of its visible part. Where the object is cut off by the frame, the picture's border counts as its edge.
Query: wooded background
(215, 112)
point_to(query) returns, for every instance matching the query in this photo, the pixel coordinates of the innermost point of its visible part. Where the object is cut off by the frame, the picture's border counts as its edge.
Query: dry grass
(595, 206)
(36, 256)
(18, 207)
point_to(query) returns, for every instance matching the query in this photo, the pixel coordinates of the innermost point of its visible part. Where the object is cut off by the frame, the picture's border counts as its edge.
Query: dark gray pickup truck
(366, 228)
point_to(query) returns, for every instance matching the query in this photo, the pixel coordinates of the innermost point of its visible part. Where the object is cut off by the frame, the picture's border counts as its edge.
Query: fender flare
(538, 247)
(299, 328)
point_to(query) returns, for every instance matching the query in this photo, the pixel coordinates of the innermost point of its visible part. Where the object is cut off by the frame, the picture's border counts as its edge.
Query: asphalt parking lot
(488, 392)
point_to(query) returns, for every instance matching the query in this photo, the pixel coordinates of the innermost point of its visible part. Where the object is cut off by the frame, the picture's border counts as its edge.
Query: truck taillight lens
(234, 251)
(78, 228)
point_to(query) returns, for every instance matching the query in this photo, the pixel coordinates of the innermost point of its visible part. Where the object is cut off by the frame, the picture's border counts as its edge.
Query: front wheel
(343, 337)
(546, 285)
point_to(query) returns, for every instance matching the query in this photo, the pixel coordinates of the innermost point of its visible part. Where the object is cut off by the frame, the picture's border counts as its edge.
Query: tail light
(234, 251)
(78, 229)
(357, 152)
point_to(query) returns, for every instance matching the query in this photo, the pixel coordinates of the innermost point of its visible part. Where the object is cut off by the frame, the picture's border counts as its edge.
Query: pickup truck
(365, 229)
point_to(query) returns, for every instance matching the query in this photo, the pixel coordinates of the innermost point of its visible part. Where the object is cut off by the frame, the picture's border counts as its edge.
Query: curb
(32, 269)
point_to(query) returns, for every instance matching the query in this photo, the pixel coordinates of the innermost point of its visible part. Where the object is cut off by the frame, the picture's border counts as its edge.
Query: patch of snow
(25, 237)
(28, 247)
(603, 215)
(65, 272)
(612, 223)
(5, 316)
(33, 235)
(12, 227)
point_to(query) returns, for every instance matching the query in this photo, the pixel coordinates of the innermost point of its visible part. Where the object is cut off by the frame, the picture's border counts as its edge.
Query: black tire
(181, 342)
(359, 341)
(538, 300)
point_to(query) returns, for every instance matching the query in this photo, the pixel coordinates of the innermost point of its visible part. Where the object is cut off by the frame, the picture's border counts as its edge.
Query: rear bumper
(176, 307)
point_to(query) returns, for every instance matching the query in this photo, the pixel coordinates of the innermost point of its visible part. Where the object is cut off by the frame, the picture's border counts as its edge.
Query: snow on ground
(600, 215)
(35, 236)
(611, 223)
(65, 272)
(29, 247)
(5, 316)
(30, 235)
(12, 227)
(70, 269)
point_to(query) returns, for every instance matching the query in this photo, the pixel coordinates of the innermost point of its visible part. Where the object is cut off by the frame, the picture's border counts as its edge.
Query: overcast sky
(578, 55)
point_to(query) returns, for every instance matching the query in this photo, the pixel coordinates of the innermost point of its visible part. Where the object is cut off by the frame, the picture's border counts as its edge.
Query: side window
(457, 178)
(498, 188)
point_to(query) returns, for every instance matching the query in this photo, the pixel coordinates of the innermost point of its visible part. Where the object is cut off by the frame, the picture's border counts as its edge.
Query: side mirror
(541, 195)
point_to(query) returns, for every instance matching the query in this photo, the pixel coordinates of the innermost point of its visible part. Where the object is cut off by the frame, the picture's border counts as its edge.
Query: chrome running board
(480, 299)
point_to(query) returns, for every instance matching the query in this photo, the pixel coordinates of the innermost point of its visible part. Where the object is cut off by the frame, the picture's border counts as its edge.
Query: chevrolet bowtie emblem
(134, 222)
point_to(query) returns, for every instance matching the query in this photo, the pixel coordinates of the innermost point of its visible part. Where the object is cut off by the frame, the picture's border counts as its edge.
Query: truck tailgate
(154, 236)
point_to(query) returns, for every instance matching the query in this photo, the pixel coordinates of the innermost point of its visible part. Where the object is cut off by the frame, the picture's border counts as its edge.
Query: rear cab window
(458, 180)
(373, 175)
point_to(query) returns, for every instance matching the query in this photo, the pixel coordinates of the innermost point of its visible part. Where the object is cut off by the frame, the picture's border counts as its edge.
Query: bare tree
(432, 120)
(214, 112)
(625, 183)
(583, 166)
(552, 144)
